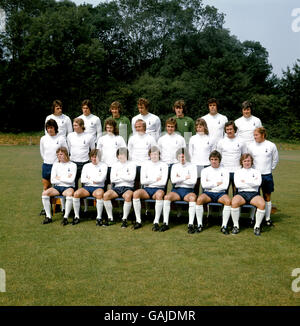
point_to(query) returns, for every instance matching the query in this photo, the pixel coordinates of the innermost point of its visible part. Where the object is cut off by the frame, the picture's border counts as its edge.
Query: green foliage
(122, 49)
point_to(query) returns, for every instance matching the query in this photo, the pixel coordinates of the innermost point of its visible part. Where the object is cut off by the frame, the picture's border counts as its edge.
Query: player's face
(200, 128)
(258, 137)
(154, 156)
(77, 127)
(57, 110)
(122, 158)
(95, 159)
(213, 109)
(181, 158)
(51, 131)
(179, 112)
(86, 110)
(142, 109)
(115, 112)
(246, 112)
(230, 131)
(170, 128)
(109, 129)
(214, 162)
(247, 163)
(139, 127)
(61, 157)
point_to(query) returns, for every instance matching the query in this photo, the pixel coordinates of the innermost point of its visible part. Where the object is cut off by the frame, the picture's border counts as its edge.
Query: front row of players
(154, 177)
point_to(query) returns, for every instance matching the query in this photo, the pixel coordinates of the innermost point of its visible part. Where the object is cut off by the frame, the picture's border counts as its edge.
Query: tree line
(163, 50)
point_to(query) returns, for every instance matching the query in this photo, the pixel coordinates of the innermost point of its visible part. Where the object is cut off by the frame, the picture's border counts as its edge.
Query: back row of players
(208, 149)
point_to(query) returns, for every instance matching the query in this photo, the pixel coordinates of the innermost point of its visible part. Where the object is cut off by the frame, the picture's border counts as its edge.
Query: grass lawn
(89, 265)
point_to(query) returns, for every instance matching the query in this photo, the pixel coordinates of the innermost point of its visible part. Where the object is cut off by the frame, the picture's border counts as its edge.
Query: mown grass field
(88, 265)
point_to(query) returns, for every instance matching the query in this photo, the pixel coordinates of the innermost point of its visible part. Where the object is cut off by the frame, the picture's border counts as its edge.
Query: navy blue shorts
(91, 189)
(121, 190)
(46, 171)
(248, 195)
(152, 191)
(61, 189)
(267, 183)
(182, 192)
(214, 196)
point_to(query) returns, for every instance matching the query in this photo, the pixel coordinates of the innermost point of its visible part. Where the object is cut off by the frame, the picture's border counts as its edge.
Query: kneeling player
(247, 180)
(214, 181)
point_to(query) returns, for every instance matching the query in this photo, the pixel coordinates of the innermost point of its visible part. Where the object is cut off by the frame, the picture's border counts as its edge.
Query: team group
(135, 160)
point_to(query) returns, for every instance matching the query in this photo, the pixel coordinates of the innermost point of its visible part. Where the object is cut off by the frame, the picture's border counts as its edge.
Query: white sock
(85, 201)
(69, 205)
(259, 216)
(126, 209)
(159, 204)
(108, 208)
(226, 215)
(268, 210)
(63, 203)
(76, 206)
(137, 206)
(99, 205)
(166, 211)
(199, 214)
(47, 205)
(192, 211)
(235, 215)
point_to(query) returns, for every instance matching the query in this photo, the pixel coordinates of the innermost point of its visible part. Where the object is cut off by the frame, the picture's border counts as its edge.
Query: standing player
(92, 177)
(169, 143)
(231, 148)
(108, 145)
(247, 181)
(265, 158)
(80, 143)
(214, 181)
(48, 146)
(92, 123)
(185, 124)
(200, 147)
(153, 123)
(183, 177)
(154, 176)
(247, 123)
(215, 121)
(122, 177)
(123, 123)
(138, 147)
(63, 121)
(62, 179)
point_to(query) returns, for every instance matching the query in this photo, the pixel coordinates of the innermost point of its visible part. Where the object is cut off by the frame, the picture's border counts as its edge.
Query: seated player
(122, 177)
(92, 177)
(214, 182)
(183, 178)
(63, 183)
(154, 176)
(247, 181)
